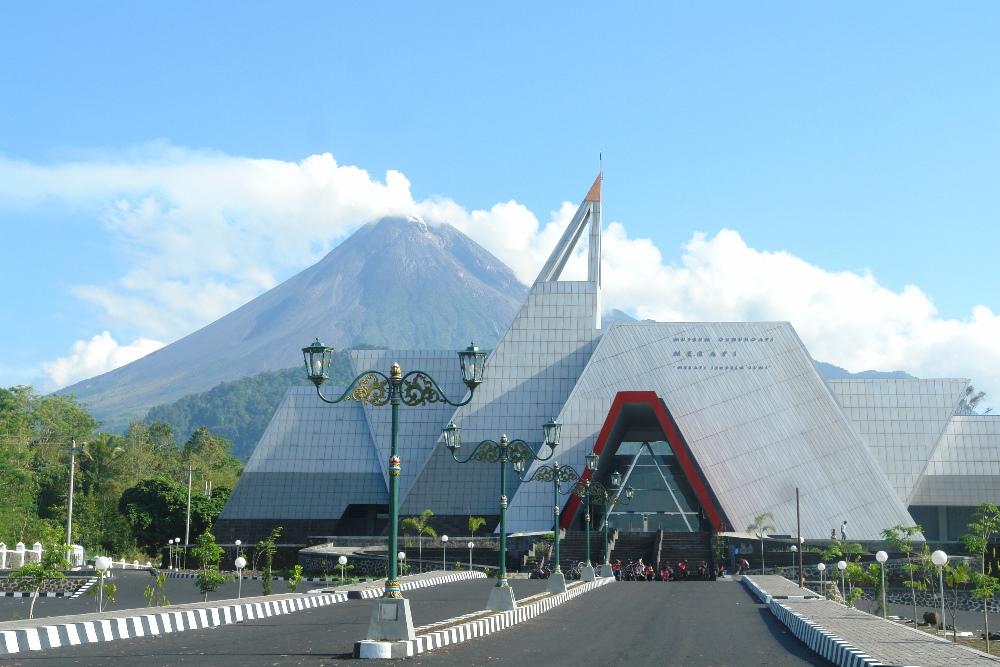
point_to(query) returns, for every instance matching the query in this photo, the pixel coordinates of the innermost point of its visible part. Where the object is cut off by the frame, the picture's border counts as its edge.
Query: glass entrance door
(663, 498)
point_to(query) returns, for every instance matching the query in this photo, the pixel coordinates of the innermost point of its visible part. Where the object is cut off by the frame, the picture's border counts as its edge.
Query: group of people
(637, 570)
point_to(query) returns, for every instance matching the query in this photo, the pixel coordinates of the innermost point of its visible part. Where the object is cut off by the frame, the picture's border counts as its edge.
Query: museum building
(712, 423)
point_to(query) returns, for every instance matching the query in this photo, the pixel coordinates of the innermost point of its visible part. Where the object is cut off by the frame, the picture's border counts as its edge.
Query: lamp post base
(587, 573)
(391, 621)
(557, 583)
(605, 570)
(501, 599)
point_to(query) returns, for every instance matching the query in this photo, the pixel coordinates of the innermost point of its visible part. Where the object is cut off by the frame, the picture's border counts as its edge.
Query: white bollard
(36, 551)
(3, 556)
(19, 552)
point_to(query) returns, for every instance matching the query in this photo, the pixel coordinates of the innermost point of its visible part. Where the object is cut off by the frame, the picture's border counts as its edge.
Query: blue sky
(853, 138)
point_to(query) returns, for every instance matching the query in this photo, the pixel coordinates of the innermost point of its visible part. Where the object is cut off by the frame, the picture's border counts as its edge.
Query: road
(130, 595)
(317, 636)
(689, 624)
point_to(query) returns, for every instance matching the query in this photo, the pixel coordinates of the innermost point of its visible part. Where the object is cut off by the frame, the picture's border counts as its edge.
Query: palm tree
(475, 523)
(419, 526)
(760, 527)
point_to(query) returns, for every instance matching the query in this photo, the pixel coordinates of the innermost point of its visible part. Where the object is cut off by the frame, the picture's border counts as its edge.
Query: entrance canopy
(636, 419)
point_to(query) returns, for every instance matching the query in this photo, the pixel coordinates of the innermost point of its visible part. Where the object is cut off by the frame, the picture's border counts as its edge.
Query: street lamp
(613, 497)
(503, 452)
(940, 559)
(239, 551)
(794, 550)
(444, 553)
(821, 567)
(842, 565)
(471, 545)
(342, 561)
(102, 564)
(882, 557)
(177, 551)
(595, 492)
(170, 552)
(240, 563)
(391, 619)
(557, 474)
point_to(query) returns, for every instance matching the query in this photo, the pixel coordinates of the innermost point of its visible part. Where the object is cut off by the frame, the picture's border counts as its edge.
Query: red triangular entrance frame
(707, 500)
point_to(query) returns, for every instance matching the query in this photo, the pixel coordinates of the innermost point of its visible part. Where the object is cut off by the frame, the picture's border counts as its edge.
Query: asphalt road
(689, 624)
(130, 596)
(309, 637)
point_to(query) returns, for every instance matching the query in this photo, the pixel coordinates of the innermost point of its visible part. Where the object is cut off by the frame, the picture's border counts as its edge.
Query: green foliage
(901, 538)
(419, 526)
(294, 577)
(109, 589)
(207, 552)
(209, 581)
(760, 527)
(982, 531)
(156, 593)
(458, 566)
(36, 574)
(240, 410)
(35, 434)
(475, 523)
(265, 550)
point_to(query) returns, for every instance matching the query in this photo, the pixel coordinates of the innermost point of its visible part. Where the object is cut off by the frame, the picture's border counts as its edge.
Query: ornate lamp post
(597, 493)
(391, 618)
(503, 452)
(557, 475)
(614, 496)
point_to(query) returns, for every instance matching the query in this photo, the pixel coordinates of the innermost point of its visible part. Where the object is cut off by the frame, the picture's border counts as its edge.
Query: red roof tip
(595, 190)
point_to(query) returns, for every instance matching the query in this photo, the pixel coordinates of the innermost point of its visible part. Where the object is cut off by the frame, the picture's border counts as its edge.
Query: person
(650, 572)
(682, 570)
(833, 533)
(742, 565)
(616, 569)
(843, 531)
(703, 570)
(666, 574)
(720, 570)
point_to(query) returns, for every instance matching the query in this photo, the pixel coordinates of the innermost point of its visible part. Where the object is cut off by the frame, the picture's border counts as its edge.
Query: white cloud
(201, 233)
(92, 357)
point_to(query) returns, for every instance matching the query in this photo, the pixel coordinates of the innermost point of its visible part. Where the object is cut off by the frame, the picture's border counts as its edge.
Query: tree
(969, 403)
(760, 527)
(294, 577)
(475, 523)
(266, 548)
(984, 527)
(155, 510)
(51, 566)
(850, 553)
(955, 574)
(209, 555)
(419, 526)
(900, 538)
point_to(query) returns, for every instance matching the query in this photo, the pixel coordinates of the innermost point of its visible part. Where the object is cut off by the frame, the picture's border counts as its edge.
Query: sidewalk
(848, 636)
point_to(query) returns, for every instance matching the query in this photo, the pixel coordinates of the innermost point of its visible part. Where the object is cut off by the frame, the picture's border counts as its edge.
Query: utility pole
(798, 529)
(69, 509)
(187, 525)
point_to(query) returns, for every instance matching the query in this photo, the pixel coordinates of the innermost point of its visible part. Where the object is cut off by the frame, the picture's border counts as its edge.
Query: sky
(833, 165)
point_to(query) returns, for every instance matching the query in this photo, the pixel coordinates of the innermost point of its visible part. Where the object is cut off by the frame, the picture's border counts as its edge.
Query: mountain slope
(394, 283)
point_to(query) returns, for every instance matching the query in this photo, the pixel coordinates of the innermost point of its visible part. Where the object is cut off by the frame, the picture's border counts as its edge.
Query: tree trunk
(913, 591)
(34, 599)
(762, 556)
